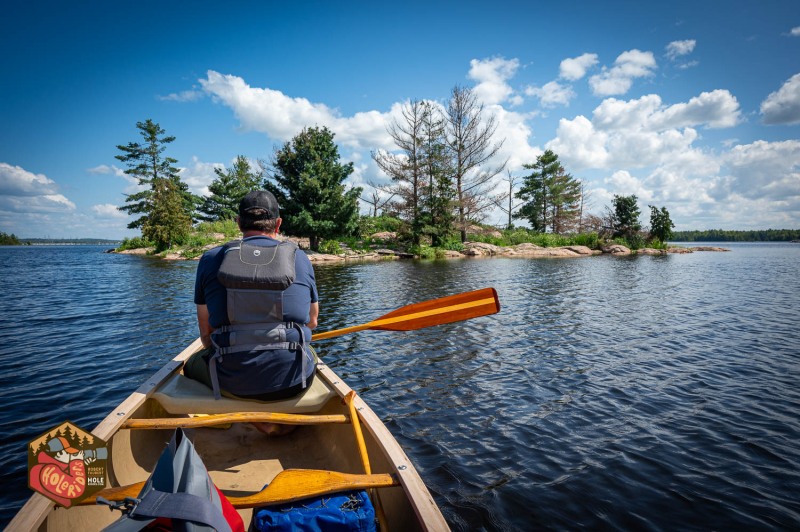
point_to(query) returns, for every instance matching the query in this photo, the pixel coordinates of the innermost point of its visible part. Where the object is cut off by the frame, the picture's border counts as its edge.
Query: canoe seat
(182, 395)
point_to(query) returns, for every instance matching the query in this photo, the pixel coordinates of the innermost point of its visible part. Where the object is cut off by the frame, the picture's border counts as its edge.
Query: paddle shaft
(289, 485)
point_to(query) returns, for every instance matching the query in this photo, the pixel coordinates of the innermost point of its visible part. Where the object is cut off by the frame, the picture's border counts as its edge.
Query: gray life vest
(255, 278)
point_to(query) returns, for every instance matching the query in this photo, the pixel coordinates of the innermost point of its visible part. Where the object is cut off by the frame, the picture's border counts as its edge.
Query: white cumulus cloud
(26, 192)
(783, 105)
(676, 49)
(764, 170)
(618, 79)
(716, 109)
(492, 77)
(555, 92)
(644, 132)
(183, 96)
(107, 210)
(282, 117)
(200, 174)
(573, 69)
(16, 181)
(552, 94)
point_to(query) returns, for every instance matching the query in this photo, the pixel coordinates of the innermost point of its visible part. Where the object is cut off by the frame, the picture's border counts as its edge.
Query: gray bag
(179, 489)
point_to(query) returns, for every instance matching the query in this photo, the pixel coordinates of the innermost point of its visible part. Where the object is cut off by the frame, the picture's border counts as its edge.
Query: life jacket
(255, 278)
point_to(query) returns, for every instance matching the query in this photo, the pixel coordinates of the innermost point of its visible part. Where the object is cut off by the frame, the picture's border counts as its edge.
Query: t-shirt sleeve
(202, 272)
(303, 264)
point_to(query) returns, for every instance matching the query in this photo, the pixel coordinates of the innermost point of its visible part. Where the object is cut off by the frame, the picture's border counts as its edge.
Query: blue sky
(694, 106)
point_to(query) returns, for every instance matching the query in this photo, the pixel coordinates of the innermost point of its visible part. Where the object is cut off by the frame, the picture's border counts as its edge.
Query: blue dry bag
(340, 512)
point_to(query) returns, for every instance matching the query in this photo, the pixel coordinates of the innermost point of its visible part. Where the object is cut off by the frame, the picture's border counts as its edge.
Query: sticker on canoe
(67, 464)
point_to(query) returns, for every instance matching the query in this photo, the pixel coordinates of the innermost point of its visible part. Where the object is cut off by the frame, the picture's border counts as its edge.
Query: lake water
(633, 393)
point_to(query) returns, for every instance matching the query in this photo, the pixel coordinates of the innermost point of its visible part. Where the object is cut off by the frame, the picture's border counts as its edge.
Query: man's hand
(313, 315)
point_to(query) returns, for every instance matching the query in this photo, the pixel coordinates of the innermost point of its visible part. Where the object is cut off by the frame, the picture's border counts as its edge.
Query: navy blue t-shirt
(282, 370)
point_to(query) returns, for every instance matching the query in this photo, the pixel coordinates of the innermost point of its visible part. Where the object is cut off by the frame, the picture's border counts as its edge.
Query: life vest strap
(275, 336)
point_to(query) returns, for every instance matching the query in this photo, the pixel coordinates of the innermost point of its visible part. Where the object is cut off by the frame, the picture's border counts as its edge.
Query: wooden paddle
(429, 313)
(289, 485)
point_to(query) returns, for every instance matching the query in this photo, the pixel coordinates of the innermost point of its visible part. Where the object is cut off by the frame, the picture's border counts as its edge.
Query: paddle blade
(448, 309)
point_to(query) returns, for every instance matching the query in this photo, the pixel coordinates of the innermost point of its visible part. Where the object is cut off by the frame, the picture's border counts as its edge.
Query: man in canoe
(257, 303)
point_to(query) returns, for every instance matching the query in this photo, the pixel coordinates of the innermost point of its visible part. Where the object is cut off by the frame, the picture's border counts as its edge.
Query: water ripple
(652, 393)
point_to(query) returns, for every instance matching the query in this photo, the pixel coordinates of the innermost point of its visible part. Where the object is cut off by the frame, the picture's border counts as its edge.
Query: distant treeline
(8, 240)
(723, 235)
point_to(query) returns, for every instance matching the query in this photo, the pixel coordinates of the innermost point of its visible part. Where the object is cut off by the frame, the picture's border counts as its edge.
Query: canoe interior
(241, 460)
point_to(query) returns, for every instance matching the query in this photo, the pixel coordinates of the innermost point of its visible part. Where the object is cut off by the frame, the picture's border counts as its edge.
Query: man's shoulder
(217, 249)
(211, 253)
(211, 258)
(302, 255)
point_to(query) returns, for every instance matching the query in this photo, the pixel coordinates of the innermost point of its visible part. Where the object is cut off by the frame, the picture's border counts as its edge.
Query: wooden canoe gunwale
(34, 512)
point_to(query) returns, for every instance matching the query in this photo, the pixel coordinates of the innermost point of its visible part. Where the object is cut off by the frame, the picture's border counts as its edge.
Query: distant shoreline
(67, 242)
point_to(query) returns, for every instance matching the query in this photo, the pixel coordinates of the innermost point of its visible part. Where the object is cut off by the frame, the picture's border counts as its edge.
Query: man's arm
(204, 325)
(313, 314)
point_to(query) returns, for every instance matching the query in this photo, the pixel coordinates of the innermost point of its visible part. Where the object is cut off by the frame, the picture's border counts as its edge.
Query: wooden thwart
(211, 420)
(287, 486)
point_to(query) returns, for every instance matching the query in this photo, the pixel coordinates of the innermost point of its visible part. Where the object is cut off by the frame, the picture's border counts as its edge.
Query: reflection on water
(649, 392)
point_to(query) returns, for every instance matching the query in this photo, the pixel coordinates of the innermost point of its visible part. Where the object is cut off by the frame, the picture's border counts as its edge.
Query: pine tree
(228, 189)
(552, 196)
(147, 164)
(168, 223)
(308, 182)
(625, 216)
(439, 194)
(661, 225)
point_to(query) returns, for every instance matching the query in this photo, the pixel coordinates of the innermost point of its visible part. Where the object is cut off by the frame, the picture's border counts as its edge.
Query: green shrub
(549, 240)
(330, 247)
(192, 252)
(453, 244)
(369, 225)
(488, 239)
(636, 241)
(136, 242)
(357, 244)
(519, 236)
(590, 240)
(229, 228)
(424, 252)
(196, 240)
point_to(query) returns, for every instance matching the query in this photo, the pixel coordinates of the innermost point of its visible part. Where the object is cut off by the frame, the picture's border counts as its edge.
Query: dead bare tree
(469, 139)
(406, 168)
(378, 199)
(500, 201)
(586, 197)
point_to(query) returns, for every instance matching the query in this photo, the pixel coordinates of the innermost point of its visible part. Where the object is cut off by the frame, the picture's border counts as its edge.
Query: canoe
(332, 450)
